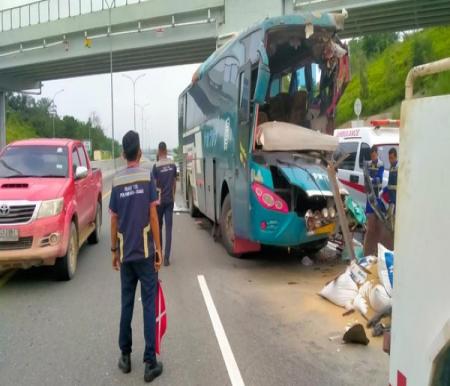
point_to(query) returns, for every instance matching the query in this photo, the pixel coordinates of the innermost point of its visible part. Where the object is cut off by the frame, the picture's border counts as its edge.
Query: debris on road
(356, 334)
(341, 291)
(365, 287)
(307, 262)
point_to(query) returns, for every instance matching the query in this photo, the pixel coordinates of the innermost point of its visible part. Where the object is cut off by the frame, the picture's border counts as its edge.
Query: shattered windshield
(308, 75)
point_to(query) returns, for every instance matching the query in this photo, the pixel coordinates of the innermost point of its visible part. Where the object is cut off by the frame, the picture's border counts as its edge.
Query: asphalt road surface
(261, 323)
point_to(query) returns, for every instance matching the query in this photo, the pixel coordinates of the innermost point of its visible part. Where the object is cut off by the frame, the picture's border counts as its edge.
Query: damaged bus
(254, 127)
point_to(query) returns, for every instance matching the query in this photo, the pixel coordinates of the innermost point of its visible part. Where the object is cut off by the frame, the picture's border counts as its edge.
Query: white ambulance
(357, 142)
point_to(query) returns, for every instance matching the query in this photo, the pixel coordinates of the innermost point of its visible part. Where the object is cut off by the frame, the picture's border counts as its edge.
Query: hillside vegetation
(27, 117)
(17, 129)
(379, 80)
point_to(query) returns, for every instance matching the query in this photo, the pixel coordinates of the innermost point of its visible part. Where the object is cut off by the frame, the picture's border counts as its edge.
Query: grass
(17, 129)
(387, 72)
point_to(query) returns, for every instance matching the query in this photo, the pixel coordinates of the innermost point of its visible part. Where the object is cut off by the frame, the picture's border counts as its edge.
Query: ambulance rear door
(350, 172)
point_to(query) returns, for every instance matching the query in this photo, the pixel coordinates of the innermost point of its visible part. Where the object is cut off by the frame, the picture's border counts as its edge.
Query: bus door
(241, 202)
(210, 187)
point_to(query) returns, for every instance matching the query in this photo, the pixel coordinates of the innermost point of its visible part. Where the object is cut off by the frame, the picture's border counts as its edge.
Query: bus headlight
(332, 212)
(325, 213)
(50, 208)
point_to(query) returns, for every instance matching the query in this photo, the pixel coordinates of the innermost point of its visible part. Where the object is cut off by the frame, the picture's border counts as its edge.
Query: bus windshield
(308, 75)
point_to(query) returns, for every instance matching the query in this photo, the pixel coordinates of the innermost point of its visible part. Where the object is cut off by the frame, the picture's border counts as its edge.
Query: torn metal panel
(283, 136)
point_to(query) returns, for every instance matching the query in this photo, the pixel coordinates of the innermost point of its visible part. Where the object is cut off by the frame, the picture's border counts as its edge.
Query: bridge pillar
(2, 120)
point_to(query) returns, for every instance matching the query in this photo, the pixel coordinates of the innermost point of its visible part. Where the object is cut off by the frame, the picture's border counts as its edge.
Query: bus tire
(193, 211)
(315, 247)
(226, 227)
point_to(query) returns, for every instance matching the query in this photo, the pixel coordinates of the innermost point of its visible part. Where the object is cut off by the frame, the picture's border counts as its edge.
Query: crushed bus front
(291, 198)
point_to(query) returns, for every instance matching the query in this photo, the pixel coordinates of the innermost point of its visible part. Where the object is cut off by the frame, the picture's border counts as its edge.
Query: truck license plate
(9, 235)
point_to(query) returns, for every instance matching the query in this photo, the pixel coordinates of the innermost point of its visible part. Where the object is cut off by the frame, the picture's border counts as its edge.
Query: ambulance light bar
(385, 122)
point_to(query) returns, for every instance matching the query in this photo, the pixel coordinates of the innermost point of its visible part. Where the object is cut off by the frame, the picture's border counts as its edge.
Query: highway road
(253, 321)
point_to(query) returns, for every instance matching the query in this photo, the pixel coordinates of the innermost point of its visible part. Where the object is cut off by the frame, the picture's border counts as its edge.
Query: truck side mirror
(263, 79)
(81, 172)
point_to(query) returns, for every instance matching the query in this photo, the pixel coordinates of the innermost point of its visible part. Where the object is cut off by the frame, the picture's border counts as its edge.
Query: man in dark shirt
(134, 231)
(374, 226)
(391, 192)
(165, 174)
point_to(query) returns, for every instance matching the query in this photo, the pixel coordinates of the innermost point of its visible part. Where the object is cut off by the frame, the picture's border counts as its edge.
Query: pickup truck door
(81, 196)
(90, 185)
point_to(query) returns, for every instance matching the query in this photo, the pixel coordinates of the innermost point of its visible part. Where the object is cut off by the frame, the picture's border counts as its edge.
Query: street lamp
(110, 6)
(142, 107)
(52, 103)
(134, 93)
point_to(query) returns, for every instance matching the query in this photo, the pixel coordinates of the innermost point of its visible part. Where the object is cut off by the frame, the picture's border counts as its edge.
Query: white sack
(341, 291)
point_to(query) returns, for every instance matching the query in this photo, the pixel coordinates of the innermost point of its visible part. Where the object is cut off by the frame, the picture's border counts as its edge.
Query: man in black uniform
(374, 226)
(134, 231)
(165, 173)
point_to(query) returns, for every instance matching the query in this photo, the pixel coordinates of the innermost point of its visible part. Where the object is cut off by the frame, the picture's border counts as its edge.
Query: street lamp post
(110, 6)
(52, 103)
(134, 93)
(142, 107)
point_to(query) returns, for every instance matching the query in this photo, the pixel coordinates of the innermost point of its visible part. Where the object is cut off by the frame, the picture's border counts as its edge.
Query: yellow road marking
(106, 195)
(6, 277)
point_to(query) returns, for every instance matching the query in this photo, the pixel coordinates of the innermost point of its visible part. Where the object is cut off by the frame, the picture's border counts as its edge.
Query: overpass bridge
(54, 39)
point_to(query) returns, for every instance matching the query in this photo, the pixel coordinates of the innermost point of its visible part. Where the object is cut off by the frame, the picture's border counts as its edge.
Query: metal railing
(44, 11)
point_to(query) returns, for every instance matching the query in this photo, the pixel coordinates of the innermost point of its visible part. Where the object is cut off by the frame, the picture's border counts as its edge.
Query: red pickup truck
(50, 204)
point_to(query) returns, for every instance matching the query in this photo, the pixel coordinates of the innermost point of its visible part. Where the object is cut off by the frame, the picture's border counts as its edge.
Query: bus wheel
(193, 211)
(226, 226)
(315, 247)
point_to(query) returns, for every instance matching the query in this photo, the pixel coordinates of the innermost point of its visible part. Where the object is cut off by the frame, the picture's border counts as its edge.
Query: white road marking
(228, 357)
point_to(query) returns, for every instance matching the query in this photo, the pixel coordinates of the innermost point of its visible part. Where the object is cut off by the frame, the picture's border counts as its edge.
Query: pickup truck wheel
(94, 237)
(226, 227)
(66, 266)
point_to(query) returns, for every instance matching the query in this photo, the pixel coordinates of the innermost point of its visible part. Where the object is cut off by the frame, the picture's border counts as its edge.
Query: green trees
(27, 117)
(379, 69)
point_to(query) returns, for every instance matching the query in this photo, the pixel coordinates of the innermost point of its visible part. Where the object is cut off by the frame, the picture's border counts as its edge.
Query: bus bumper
(283, 229)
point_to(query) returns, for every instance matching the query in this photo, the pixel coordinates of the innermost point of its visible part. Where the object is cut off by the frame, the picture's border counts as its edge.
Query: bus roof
(331, 21)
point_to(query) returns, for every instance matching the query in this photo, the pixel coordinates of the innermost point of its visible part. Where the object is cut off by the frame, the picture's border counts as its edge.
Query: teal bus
(254, 127)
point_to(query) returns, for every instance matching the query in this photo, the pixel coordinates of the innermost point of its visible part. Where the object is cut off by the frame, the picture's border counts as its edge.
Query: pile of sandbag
(365, 286)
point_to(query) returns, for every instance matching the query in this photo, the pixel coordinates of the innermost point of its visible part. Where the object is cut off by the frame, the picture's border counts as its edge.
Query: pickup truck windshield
(34, 161)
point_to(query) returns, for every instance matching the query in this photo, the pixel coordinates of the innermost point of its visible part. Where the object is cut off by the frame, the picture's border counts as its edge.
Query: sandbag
(341, 291)
(379, 299)
(386, 268)
(360, 305)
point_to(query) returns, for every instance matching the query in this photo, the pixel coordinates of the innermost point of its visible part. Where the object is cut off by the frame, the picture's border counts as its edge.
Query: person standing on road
(390, 192)
(134, 231)
(165, 173)
(374, 226)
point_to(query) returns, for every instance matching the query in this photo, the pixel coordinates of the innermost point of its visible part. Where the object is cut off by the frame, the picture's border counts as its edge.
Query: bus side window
(364, 154)
(350, 148)
(274, 86)
(182, 113)
(244, 97)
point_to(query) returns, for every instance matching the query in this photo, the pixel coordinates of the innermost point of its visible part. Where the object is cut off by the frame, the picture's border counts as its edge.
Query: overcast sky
(159, 89)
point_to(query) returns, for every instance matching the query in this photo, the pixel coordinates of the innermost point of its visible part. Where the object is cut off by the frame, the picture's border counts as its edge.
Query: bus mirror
(262, 83)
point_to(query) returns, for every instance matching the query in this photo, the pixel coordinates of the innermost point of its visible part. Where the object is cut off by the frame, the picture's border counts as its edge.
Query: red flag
(161, 317)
